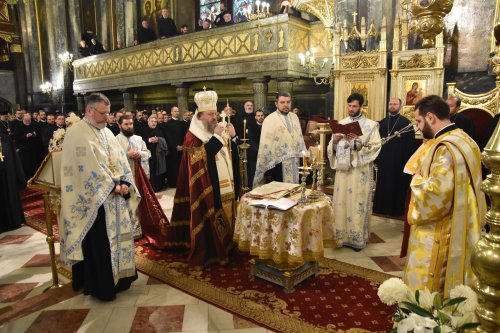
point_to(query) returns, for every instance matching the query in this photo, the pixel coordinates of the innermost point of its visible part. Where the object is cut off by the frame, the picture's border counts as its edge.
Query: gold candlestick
(244, 167)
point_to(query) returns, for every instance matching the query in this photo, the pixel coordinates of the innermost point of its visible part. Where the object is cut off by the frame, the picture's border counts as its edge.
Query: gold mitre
(206, 100)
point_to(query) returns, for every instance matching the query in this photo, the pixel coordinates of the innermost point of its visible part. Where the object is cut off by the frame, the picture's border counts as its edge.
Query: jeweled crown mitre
(206, 100)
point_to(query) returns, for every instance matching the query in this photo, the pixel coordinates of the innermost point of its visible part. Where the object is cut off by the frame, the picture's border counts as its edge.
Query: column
(103, 22)
(128, 100)
(130, 19)
(29, 31)
(74, 28)
(58, 41)
(120, 21)
(182, 93)
(285, 84)
(80, 102)
(260, 88)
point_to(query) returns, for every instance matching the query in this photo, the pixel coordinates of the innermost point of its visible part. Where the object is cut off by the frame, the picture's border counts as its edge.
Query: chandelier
(309, 62)
(262, 11)
(46, 88)
(67, 59)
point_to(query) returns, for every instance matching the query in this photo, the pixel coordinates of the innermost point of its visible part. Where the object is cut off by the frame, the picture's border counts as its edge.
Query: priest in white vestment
(352, 157)
(98, 195)
(281, 145)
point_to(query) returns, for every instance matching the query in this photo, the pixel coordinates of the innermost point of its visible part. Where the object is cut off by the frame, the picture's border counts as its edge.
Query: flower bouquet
(55, 144)
(424, 311)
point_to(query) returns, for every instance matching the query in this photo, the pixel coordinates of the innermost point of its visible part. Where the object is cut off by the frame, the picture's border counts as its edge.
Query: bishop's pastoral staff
(98, 196)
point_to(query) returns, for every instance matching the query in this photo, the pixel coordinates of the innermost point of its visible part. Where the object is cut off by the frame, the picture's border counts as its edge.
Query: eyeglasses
(100, 112)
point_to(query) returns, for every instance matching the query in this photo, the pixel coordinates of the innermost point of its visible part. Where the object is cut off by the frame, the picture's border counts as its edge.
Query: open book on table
(280, 204)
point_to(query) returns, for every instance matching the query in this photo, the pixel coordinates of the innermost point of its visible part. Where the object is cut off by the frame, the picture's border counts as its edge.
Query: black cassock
(174, 132)
(30, 148)
(392, 182)
(11, 180)
(156, 176)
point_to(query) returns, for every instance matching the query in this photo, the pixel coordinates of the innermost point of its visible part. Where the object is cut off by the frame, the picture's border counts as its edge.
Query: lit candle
(268, 8)
(304, 160)
(244, 129)
(258, 5)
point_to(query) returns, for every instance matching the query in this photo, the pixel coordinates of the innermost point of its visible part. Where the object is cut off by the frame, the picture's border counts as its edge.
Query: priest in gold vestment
(447, 207)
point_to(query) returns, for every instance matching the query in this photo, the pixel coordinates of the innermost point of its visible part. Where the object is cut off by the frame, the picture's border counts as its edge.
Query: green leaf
(436, 329)
(444, 318)
(468, 326)
(454, 301)
(418, 310)
(437, 302)
(417, 296)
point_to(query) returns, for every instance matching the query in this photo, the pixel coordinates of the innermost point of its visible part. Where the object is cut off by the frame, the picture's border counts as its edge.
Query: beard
(128, 133)
(427, 131)
(210, 127)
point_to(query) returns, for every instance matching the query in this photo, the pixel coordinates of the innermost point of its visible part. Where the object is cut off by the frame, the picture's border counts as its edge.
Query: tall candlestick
(320, 154)
(304, 161)
(244, 129)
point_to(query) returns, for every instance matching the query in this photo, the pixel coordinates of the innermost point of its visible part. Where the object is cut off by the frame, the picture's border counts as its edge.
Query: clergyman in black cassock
(392, 182)
(11, 180)
(174, 131)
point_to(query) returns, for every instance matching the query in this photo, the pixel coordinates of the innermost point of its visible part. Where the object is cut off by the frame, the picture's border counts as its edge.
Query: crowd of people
(158, 24)
(198, 155)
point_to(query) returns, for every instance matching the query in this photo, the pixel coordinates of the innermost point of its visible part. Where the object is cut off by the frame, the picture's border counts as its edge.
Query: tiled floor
(150, 305)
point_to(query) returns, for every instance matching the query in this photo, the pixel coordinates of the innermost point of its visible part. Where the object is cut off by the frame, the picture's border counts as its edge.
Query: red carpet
(343, 298)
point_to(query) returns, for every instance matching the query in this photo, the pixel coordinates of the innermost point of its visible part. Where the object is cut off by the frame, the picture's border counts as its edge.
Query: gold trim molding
(360, 61)
(418, 61)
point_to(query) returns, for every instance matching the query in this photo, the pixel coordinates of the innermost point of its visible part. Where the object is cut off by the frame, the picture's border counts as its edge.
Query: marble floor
(149, 305)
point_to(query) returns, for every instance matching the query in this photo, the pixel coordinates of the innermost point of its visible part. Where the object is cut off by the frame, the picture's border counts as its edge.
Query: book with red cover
(347, 128)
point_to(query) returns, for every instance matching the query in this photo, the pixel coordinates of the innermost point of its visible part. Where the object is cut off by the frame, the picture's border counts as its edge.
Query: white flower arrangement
(424, 311)
(55, 144)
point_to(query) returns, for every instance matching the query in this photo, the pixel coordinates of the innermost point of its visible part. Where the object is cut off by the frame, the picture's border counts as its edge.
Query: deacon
(281, 145)
(392, 182)
(136, 150)
(97, 197)
(204, 203)
(447, 206)
(352, 158)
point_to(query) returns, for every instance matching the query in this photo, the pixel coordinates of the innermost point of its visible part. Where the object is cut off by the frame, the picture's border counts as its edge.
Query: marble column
(128, 100)
(74, 28)
(182, 93)
(260, 88)
(130, 22)
(58, 41)
(80, 102)
(31, 51)
(104, 22)
(120, 21)
(285, 84)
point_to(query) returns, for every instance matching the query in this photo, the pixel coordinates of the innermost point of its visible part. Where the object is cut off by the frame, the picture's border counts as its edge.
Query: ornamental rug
(34, 210)
(343, 298)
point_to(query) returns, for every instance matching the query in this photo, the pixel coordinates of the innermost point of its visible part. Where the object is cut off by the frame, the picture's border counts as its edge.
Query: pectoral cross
(1, 156)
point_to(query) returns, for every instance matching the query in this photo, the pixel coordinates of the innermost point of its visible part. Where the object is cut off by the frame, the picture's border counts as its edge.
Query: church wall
(474, 20)
(8, 87)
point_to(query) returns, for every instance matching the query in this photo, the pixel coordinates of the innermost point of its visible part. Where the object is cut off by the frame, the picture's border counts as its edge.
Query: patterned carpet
(343, 298)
